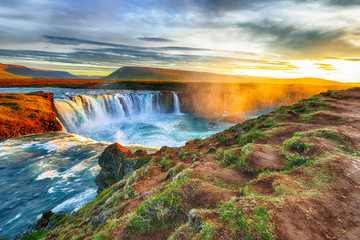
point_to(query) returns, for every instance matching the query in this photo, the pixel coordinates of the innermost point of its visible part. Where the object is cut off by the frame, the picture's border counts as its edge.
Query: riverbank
(24, 114)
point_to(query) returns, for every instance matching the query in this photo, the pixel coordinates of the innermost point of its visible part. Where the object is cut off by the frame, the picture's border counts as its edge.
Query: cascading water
(150, 119)
(176, 103)
(79, 111)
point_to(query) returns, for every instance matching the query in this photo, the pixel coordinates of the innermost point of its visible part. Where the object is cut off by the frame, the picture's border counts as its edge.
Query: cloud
(76, 41)
(326, 66)
(115, 57)
(154, 39)
(296, 41)
(291, 36)
(352, 59)
(344, 3)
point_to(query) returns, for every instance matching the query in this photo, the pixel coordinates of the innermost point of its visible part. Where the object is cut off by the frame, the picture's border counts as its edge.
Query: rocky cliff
(116, 162)
(289, 174)
(23, 114)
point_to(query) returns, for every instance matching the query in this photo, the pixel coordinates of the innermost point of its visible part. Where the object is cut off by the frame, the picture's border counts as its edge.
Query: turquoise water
(45, 172)
(56, 171)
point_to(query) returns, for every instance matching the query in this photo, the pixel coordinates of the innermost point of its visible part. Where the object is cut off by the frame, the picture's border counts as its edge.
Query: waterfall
(88, 110)
(176, 103)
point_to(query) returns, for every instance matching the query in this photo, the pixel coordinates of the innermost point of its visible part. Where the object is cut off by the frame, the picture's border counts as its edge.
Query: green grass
(246, 225)
(343, 144)
(166, 162)
(219, 154)
(35, 236)
(162, 209)
(229, 158)
(295, 160)
(184, 155)
(208, 231)
(250, 137)
(299, 147)
(310, 105)
(293, 144)
(331, 93)
(221, 137)
(175, 170)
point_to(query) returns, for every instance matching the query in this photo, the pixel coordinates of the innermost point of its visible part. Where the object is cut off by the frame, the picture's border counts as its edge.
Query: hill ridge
(153, 73)
(19, 71)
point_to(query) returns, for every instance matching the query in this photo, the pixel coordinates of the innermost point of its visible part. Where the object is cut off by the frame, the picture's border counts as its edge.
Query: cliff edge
(27, 113)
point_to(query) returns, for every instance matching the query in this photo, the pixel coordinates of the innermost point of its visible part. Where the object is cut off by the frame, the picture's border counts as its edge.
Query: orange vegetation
(23, 114)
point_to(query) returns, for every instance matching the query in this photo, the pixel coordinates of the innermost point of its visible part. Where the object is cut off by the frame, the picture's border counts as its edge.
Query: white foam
(75, 203)
(51, 190)
(120, 137)
(48, 174)
(14, 218)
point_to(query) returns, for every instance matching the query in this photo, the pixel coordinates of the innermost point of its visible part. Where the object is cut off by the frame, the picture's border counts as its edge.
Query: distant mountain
(161, 74)
(89, 77)
(18, 71)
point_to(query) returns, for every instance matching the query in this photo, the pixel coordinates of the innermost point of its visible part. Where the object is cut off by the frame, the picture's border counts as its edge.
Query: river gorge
(56, 171)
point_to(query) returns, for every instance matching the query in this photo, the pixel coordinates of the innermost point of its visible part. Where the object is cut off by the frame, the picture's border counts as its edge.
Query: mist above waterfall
(236, 101)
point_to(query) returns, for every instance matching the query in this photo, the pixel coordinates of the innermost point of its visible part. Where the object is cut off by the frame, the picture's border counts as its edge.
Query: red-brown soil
(23, 114)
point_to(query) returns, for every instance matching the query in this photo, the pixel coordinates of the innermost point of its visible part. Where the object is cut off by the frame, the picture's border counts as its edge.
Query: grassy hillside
(289, 174)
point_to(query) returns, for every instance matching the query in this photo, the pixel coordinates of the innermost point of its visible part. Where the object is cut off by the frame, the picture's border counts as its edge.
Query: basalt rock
(116, 162)
(140, 152)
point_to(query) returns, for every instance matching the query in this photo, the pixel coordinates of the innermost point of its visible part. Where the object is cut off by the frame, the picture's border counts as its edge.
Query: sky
(282, 39)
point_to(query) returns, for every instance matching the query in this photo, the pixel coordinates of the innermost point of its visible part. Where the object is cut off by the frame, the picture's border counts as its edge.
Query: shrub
(249, 137)
(294, 160)
(219, 154)
(208, 231)
(166, 162)
(163, 208)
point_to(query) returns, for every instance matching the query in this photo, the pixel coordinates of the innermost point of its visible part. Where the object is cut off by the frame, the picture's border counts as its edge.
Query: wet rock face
(116, 162)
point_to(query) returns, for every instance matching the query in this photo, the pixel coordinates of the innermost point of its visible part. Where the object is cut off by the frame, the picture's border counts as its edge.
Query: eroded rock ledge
(27, 113)
(116, 162)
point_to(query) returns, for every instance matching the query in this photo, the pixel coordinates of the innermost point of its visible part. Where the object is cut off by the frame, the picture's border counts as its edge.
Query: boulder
(101, 218)
(44, 220)
(116, 162)
(46, 223)
(140, 152)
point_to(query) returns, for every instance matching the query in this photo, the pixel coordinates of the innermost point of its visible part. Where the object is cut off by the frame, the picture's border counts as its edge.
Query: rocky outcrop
(116, 162)
(46, 223)
(24, 114)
